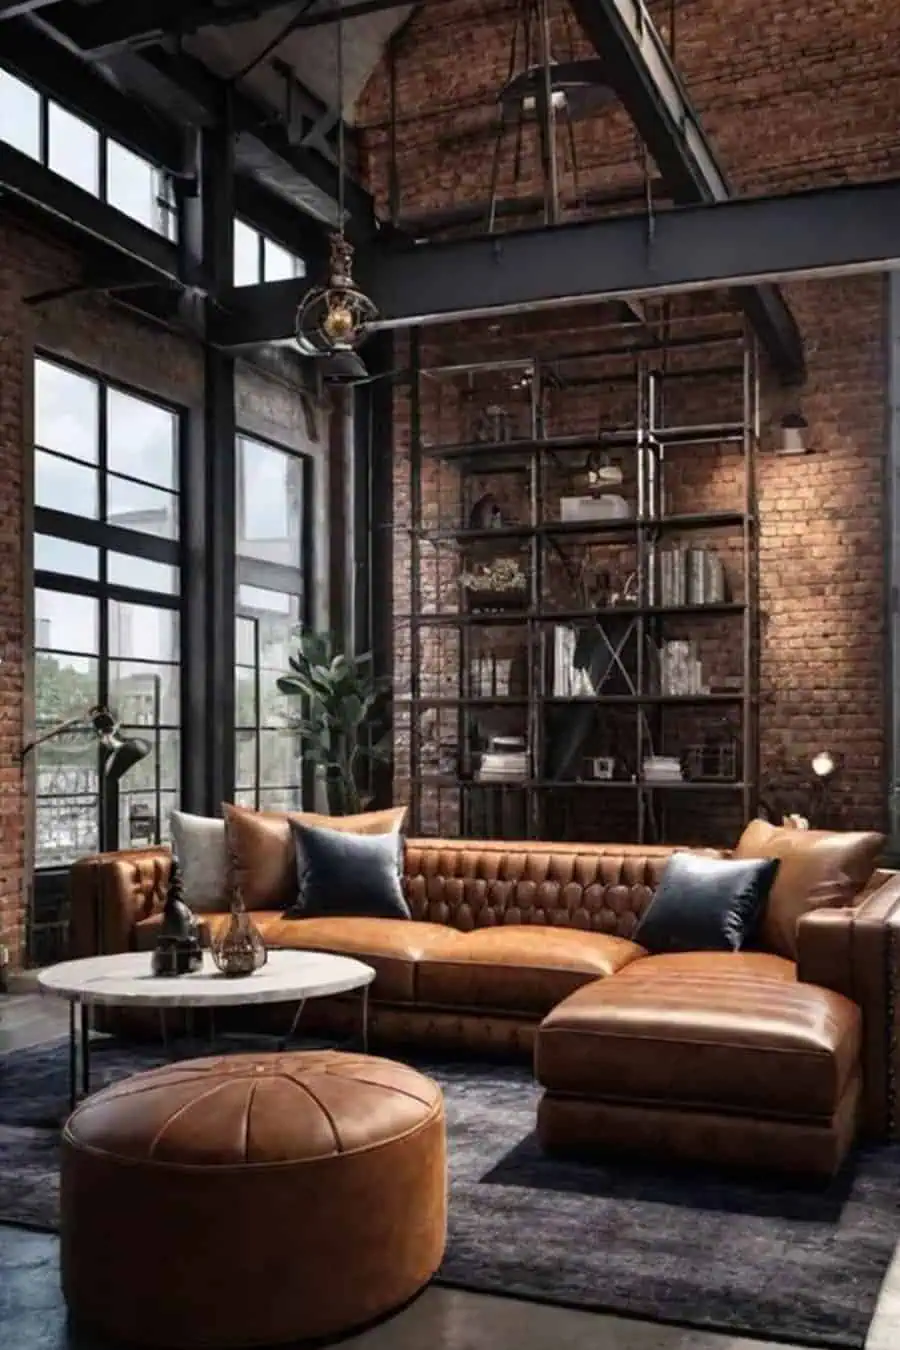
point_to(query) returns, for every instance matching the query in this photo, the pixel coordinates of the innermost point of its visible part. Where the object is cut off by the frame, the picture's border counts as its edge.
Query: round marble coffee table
(125, 980)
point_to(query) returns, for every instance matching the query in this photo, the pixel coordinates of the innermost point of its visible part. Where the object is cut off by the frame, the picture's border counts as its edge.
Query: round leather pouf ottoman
(252, 1199)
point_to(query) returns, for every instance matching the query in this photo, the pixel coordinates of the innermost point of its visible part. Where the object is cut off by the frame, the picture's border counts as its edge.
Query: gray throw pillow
(199, 845)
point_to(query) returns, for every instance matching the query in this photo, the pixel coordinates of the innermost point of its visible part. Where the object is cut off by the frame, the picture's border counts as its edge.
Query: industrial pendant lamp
(334, 318)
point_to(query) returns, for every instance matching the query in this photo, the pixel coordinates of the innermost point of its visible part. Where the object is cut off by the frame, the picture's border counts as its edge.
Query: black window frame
(281, 579)
(166, 197)
(110, 538)
(263, 237)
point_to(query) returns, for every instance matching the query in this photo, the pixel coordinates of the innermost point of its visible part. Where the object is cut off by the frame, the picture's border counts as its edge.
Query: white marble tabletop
(126, 978)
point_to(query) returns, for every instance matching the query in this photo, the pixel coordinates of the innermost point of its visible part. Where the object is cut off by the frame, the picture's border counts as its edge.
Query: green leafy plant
(344, 721)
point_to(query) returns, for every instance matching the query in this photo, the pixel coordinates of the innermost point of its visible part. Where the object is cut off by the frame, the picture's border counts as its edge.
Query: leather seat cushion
(759, 965)
(520, 969)
(747, 1041)
(393, 947)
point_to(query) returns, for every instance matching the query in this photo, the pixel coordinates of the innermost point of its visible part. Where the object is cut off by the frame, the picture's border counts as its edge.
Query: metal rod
(63, 727)
(85, 1049)
(535, 662)
(750, 571)
(644, 417)
(415, 562)
(688, 341)
(548, 120)
(342, 168)
(393, 166)
(73, 1057)
(286, 1040)
(355, 9)
(365, 1020)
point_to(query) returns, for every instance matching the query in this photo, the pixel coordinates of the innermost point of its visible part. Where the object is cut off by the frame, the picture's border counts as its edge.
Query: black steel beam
(208, 686)
(24, 180)
(109, 24)
(352, 9)
(250, 118)
(258, 314)
(643, 75)
(738, 243)
(11, 9)
(31, 53)
(188, 91)
(374, 425)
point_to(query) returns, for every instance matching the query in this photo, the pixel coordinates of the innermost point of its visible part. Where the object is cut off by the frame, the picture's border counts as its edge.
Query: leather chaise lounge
(775, 1057)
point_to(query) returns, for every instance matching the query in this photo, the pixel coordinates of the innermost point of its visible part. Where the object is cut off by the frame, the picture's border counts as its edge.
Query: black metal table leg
(73, 1058)
(286, 1040)
(365, 1019)
(85, 1049)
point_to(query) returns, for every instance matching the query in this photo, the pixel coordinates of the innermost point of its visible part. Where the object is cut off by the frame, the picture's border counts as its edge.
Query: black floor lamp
(120, 755)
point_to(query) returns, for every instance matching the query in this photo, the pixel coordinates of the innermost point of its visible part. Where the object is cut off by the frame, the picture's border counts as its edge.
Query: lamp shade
(793, 435)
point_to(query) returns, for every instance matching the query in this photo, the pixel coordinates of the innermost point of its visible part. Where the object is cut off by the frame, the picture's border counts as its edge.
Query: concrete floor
(33, 1317)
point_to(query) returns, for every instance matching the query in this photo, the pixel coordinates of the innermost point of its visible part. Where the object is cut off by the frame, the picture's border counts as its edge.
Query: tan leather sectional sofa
(771, 1057)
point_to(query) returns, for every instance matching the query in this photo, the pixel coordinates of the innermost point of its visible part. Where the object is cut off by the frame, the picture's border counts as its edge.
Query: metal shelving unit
(453, 721)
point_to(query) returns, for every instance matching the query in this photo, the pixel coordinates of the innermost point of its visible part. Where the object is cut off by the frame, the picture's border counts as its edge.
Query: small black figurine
(177, 950)
(486, 514)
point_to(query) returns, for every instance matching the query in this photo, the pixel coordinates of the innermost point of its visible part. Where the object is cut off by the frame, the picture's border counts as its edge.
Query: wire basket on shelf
(496, 586)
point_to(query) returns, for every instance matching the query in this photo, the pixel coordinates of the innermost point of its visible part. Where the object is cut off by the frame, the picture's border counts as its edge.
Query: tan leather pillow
(261, 847)
(819, 869)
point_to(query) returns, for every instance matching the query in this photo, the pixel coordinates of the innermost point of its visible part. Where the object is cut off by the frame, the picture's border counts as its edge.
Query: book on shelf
(662, 769)
(689, 576)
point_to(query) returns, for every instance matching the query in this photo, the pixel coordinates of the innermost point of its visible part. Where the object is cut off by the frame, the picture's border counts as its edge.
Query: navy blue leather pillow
(706, 904)
(348, 874)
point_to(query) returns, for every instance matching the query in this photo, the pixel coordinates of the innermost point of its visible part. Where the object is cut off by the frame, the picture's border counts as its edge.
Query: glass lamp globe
(823, 765)
(339, 324)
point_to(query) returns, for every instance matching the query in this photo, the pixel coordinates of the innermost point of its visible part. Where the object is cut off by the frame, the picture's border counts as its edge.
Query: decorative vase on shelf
(178, 949)
(239, 949)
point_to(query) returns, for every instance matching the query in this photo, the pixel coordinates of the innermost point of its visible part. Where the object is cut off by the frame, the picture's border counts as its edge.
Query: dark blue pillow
(339, 873)
(706, 904)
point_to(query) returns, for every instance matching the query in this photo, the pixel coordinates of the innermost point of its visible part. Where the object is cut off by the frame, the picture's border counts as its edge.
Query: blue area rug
(702, 1249)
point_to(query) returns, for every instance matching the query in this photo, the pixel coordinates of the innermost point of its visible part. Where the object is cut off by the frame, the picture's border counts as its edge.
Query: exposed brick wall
(792, 96)
(822, 554)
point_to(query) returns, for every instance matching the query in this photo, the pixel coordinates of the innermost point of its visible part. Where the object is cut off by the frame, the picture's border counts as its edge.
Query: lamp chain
(340, 95)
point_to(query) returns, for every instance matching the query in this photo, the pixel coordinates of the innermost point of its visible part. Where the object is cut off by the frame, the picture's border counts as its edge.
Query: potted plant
(344, 719)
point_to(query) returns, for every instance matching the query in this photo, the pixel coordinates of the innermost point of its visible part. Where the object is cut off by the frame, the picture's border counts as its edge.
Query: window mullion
(102, 165)
(45, 130)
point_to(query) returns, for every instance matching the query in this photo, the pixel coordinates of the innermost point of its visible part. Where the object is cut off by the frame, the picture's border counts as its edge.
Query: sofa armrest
(855, 951)
(109, 893)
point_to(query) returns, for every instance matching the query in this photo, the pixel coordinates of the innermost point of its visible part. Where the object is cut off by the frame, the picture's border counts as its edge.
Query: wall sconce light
(793, 439)
(823, 765)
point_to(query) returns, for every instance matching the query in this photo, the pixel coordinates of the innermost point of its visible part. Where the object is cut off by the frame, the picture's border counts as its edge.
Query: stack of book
(662, 769)
(505, 762)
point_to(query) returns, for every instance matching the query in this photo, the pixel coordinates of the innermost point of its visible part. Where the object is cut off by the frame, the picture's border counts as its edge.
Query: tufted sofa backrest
(470, 883)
